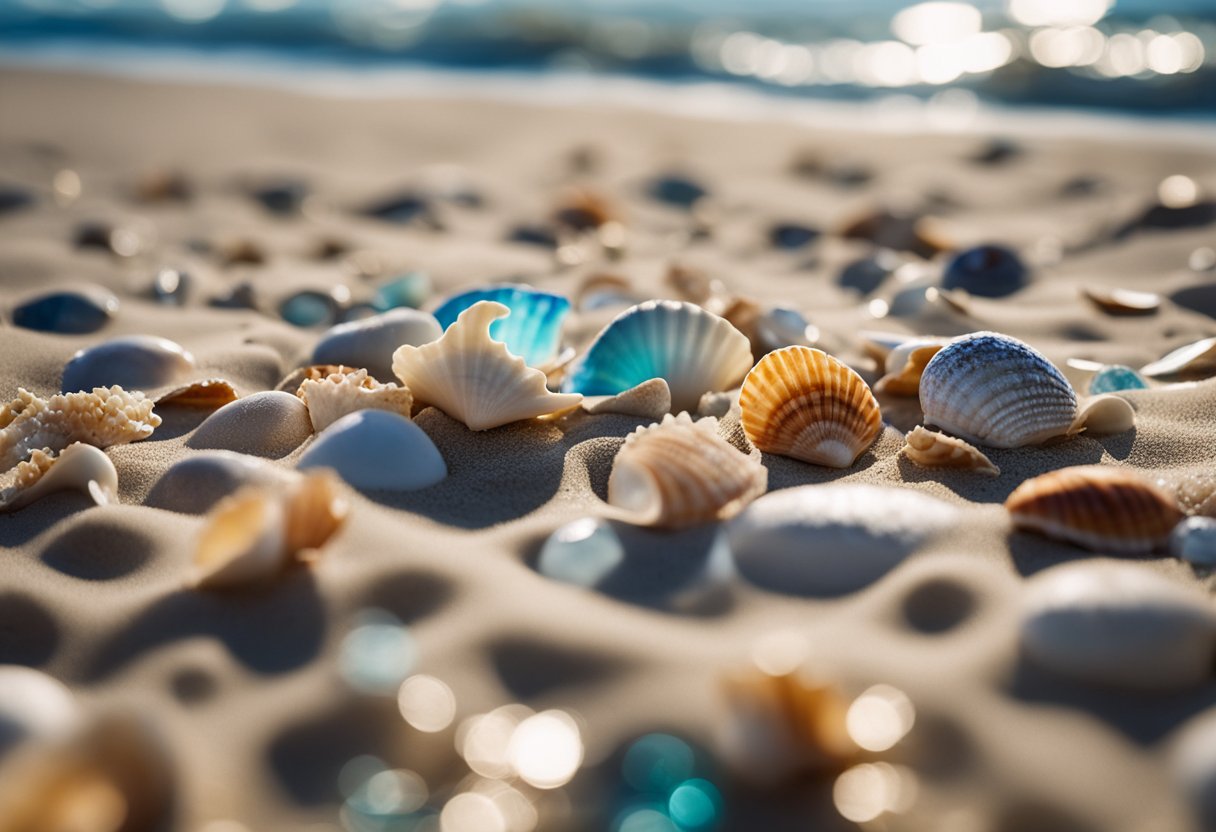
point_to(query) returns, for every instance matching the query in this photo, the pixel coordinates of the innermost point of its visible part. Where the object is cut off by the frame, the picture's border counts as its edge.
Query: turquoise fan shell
(694, 350)
(532, 330)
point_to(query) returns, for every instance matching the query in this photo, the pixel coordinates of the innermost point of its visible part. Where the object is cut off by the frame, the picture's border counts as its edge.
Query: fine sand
(246, 688)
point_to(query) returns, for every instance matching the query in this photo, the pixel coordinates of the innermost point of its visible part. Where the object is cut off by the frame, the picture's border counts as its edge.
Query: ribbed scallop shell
(1097, 507)
(801, 402)
(473, 378)
(994, 390)
(905, 365)
(694, 350)
(532, 330)
(936, 450)
(679, 473)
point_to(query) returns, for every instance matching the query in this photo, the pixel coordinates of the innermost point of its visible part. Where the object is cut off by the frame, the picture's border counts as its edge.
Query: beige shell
(293, 381)
(1102, 508)
(650, 400)
(905, 364)
(1122, 301)
(679, 473)
(936, 450)
(1192, 362)
(471, 377)
(78, 467)
(331, 398)
(801, 402)
(1196, 493)
(208, 394)
(103, 417)
(1104, 414)
(256, 534)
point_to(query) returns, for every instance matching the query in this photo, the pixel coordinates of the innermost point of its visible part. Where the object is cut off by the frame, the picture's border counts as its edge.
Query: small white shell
(1194, 541)
(473, 378)
(374, 450)
(1104, 414)
(78, 467)
(931, 449)
(649, 400)
(1194, 361)
(270, 424)
(331, 398)
(1117, 624)
(1122, 301)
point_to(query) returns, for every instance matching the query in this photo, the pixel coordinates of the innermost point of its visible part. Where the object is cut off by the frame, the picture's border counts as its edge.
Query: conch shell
(931, 449)
(104, 417)
(80, 467)
(331, 398)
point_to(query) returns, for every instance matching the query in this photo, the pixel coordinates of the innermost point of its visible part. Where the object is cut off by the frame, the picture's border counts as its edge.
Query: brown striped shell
(1102, 508)
(801, 402)
(931, 449)
(678, 473)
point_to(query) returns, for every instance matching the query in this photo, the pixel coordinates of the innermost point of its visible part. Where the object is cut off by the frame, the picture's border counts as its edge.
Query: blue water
(664, 40)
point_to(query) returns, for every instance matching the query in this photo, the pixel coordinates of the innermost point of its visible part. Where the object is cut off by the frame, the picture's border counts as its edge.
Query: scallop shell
(694, 350)
(1122, 301)
(1194, 361)
(270, 424)
(374, 450)
(134, 362)
(475, 379)
(78, 467)
(931, 449)
(679, 473)
(369, 343)
(649, 400)
(905, 364)
(533, 328)
(994, 390)
(1118, 624)
(801, 402)
(208, 394)
(257, 533)
(331, 398)
(1102, 508)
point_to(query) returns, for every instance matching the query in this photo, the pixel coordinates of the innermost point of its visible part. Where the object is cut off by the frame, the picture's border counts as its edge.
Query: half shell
(533, 328)
(679, 473)
(331, 398)
(471, 377)
(1104, 414)
(79, 467)
(1122, 301)
(801, 402)
(994, 390)
(931, 449)
(1098, 507)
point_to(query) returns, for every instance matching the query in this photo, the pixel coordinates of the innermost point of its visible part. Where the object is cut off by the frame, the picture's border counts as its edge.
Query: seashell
(583, 552)
(33, 706)
(241, 252)
(770, 328)
(899, 231)
(270, 423)
(792, 235)
(1114, 379)
(69, 311)
(1122, 301)
(931, 449)
(408, 290)
(1194, 361)
(833, 539)
(171, 287)
(986, 271)
(693, 284)
(866, 274)
(294, 380)
(369, 343)
(311, 308)
(582, 209)
(1194, 541)
(604, 291)
(163, 185)
(78, 467)
(1117, 624)
(258, 533)
(679, 473)
(803, 403)
(878, 345)
(1196, 493)
(103, 418)
(135, 362)
(209, 394)
(405, 208)
(338, 394)
(694, 350)
(677, 189)
(283, 197)
(124, 242)
(718, 404)
(1098, 507)
(241, 296)
(905, 364)
(374, 450)
(195, 484)
(650, 400)
(532, 330)
(994, 390)
(475, 379)
(1106, 414)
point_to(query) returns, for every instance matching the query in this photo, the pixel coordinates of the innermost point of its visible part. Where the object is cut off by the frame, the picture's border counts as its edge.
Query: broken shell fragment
(931, 449)
(331, 398)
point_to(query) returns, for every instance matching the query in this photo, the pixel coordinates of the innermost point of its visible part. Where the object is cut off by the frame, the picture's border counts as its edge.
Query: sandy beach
(247, 690)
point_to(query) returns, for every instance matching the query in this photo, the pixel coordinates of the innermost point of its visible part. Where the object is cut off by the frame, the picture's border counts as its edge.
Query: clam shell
(801, 402)
(78, 467)
(374, 450)
(1118, 624)
(331, 398)
(931, 449)
(270, 424)
(33, 706)
(369, 343)
(134, 362)
(650, 400)
(475, 379)
(680, 473)
(195, 484)
(208, 394)
(994, 390)
(1105, 414)
(1122, 301)
(1098, 507)
(694, 350)
(533, 328)
(1194, 361)
(905, 364)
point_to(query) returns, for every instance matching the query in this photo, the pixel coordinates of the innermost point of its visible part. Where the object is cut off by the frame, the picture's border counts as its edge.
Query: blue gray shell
(994, 390)
(532, 330)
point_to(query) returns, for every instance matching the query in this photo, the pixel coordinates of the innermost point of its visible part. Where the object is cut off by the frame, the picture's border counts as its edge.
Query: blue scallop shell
(1114, 378)
(987, 271)
(532, 330)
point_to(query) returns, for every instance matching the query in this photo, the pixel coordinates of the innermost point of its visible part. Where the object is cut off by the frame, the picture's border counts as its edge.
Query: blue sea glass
(1114, 378)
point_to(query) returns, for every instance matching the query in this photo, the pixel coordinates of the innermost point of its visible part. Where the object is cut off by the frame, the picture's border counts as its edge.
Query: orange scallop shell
(1097, 507)
(801, 402)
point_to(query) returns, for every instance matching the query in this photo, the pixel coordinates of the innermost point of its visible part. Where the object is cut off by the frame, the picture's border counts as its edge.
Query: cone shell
(931, 449)
(993, 390)
(1097, 507)
(905, 365)
(801, 402)
(679, 473)
(475, 379)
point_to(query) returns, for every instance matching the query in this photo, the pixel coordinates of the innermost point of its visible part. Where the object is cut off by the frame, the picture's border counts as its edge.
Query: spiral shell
(679, 473)
(801, 402)
(931, 449)
(994, 390)
(1097, 507)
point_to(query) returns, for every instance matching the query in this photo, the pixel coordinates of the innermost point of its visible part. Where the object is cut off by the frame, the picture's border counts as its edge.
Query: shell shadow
(1033, 553)
(20, 527)
(1200, 298)
(29, 633)
(972, 485)
(784, 472)
(270, 632)
(176, 422)
(530, 668)
(409, 596)
(98, 551)
(938, 605)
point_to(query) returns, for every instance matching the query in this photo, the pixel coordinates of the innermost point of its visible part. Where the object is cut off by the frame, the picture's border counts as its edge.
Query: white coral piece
(331, 398)
(103, 417)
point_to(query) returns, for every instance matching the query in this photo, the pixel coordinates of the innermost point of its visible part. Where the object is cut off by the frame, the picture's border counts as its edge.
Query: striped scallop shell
(678, 473)
(801, 402)
(931, 449)
(1102, 508)
(994, 390)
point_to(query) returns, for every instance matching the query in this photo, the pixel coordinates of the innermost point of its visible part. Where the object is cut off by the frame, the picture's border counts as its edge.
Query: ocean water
(1142, 57)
